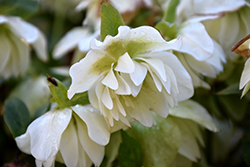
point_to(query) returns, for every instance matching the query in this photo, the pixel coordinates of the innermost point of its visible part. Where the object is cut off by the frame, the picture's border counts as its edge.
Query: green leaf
(159, 143)
(246, 151)
(169, 15)
(169, 30)
(232, 89)
(16, 116)
(22, 8)
(110, 20)
(130, 154)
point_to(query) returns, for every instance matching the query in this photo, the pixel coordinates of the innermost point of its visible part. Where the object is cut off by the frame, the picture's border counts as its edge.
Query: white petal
(184, 81)
(40, 47)
(157, 66)
(125, 64)
(94, 150)
(84, 44)
(124, 88)
(190, 109)
(119, 106)
(106, 98)
(146, 39)
(217, 6)
(135, 90)
(96, 124)
(110, 80)
(4, 51)
(70, 41)
(189, 146)
(84, 160)
(23, 142)
(155, 99)
(196, 41)
(24, 29)
(141, 112)
(69, 145)
(139, 74)
(45, 133)
(245, 76)
(85, 73)
(157, 81)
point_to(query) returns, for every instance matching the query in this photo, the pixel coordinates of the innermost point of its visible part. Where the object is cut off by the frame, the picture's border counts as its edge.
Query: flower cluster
(131, 81)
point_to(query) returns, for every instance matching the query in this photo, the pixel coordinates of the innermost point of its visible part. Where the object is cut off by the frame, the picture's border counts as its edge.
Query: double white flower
(130, 74)
(200, 54)
(75, 136)
(16, 35)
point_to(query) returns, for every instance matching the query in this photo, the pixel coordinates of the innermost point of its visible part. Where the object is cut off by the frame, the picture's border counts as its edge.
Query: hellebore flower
(75, 136)
(200, 54)
(131, 73)
(234, 14)
(16, 35)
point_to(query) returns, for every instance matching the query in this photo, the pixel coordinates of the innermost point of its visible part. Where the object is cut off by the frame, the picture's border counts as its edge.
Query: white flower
(200, 54)
(34, 92)
(16, 35)
(234, 14)
(129, 72)
(75, 136)
(78, 37)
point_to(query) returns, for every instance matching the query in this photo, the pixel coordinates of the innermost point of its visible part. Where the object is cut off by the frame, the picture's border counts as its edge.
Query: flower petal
(106, 98)
(70, 41)
(5, 51)
(192, 110)
(196, 41)
(40, 47)
(245, 76)
(110, 80)
(23, 142)
(45, 133)
(97, 127)
(139, 73)
(94, 150)
(125, 64)
(124, 88)
(85, 73)
(69, 145)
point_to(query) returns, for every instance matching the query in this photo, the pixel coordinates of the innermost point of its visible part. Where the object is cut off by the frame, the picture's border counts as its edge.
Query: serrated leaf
(16, 116)
(169, 15)
(110, 20)
(130, 154)
(169, 30)
(159, 143)
(22, 8)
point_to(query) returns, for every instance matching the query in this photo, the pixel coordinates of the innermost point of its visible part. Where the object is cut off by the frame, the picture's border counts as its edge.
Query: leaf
(130, 154)
(22, 8)
(232, 89)
(169, 15)
(16, 116)
(159, 143)
(110, 20)
(167, 29)
(246, 151)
